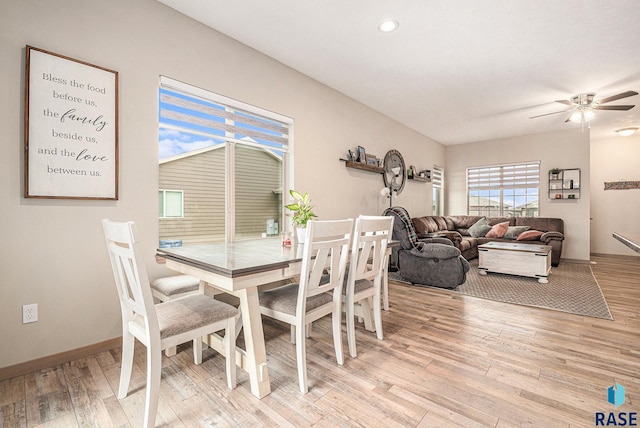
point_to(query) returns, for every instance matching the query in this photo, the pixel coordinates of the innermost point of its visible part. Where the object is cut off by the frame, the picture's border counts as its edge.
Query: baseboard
(53, 360)
(618, 256)
(577, 261)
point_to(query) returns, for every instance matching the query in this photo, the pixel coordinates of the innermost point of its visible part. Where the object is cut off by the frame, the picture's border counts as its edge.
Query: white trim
(164, 203)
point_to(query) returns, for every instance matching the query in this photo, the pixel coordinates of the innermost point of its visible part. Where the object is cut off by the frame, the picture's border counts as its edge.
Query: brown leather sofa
(456, 228)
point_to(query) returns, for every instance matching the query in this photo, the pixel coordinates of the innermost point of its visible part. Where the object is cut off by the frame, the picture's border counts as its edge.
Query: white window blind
(437, 179)
(190, 109)
(504, 190)
(230, 158)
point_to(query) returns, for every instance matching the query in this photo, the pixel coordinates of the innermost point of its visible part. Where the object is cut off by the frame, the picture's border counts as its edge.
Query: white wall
(613, 159)
(52, 251)
(565, 149)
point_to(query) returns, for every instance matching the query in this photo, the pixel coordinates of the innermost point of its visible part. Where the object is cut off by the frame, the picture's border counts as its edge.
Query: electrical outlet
(29, 313)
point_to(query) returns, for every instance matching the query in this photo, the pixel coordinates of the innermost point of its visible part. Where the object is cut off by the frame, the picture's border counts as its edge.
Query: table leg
(256, 354)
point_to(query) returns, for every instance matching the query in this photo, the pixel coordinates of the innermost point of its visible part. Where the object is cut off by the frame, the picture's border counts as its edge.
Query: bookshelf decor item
(70, 128)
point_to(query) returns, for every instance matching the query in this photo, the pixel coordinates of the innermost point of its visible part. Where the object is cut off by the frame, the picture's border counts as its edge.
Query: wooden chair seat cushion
(360, 285)
(177, 284)
(191, 312)
(284, 299)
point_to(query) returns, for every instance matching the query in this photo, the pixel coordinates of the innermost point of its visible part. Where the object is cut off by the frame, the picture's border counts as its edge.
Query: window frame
(164, 204)
(437, 182)
(235, 107)
(503, 177)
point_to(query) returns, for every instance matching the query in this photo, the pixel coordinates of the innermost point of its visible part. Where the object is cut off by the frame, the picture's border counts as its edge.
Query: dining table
(240, 268)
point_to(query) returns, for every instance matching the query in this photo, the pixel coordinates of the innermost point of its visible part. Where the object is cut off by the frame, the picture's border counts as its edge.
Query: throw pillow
(514, 231)
(529, 235)
(498, 230)
(480, 228)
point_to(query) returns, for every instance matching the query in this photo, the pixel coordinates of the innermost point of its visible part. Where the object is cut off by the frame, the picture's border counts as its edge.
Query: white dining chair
(316, 295)
(173, 287)
(163, 325)
(366, 274)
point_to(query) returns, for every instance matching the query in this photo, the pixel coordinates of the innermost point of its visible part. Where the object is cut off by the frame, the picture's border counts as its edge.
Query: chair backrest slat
(130, 274)
(370, 241)
(326, 246)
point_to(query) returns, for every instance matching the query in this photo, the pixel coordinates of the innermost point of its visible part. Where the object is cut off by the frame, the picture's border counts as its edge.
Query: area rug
(571, 288)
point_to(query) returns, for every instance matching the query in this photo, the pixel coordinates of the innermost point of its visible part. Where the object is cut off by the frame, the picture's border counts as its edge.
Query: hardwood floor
(447, 360)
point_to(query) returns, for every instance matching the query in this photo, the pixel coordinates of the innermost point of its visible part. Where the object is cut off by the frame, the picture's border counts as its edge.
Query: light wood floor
(447, 360)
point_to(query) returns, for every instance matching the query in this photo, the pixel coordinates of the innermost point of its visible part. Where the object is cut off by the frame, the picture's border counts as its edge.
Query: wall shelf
(363, 167)
(564, 185)
(421, 179)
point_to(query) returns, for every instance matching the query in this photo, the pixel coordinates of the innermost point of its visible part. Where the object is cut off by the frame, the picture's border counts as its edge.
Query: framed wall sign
(70, 128)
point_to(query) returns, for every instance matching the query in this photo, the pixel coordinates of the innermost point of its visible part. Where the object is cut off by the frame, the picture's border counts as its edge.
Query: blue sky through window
(198, 125)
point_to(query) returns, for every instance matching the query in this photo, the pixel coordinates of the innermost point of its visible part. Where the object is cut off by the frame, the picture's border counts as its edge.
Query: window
(170, 204)
(504, 190)
(229, 158)
(437, 181)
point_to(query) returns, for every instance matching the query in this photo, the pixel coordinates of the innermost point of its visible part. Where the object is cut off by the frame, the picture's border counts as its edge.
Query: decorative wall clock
(395, 171)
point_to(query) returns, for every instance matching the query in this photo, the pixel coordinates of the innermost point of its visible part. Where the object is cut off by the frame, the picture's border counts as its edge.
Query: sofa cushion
(545, 224)
(468, 242)
(429, 224)
(463, 222)
(495, 220)
(480, 228)
(514, 231)
(530, 235)
(498, 230)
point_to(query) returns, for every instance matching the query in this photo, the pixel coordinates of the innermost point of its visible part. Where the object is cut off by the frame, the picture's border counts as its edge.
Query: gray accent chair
(430, 261)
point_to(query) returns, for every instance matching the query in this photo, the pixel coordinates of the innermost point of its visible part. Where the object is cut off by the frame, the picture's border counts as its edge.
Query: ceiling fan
(583, 106)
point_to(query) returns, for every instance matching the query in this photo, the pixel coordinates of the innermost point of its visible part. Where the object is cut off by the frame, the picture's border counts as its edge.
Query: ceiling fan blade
(622, 107)
(567, 102)
(617, 97)
(547, 114)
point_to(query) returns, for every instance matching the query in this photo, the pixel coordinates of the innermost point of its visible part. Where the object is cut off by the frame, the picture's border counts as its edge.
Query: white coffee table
(515, 259)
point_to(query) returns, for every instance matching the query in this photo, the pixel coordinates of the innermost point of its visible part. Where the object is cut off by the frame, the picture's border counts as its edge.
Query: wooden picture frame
(70, 128)
(372, 160)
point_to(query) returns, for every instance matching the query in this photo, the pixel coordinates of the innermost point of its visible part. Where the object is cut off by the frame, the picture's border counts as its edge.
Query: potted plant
(554, 173)
(303, 212)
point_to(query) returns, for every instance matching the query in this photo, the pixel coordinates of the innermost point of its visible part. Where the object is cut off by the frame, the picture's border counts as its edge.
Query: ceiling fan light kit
(583, 106)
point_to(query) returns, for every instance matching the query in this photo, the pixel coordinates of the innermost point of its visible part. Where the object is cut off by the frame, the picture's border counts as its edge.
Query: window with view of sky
(227, 158)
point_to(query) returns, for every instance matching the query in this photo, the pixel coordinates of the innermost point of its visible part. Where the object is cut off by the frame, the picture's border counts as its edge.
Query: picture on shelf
(372, 160)
(362, 156)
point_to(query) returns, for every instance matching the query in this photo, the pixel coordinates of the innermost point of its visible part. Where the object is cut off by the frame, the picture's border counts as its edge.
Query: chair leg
(154, 366)
(197, 350)
(365, 305)
(301, 356)
(385, 285)
(377, 316)
(230, 352)
(351, 328)
(336, 319)
(170, 352)
(128, 342)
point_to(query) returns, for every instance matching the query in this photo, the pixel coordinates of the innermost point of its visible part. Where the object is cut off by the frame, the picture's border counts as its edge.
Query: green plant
(302, 207)
(555, 170)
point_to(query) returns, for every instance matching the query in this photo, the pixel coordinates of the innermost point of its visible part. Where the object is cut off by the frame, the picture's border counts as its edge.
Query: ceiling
(457, 71)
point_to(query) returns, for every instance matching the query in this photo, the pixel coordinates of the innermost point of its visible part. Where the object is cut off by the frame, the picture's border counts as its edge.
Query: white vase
(302, 231)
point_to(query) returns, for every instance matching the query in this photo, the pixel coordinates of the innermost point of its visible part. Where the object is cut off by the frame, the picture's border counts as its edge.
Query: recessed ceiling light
(388, 25)
(625, 132)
